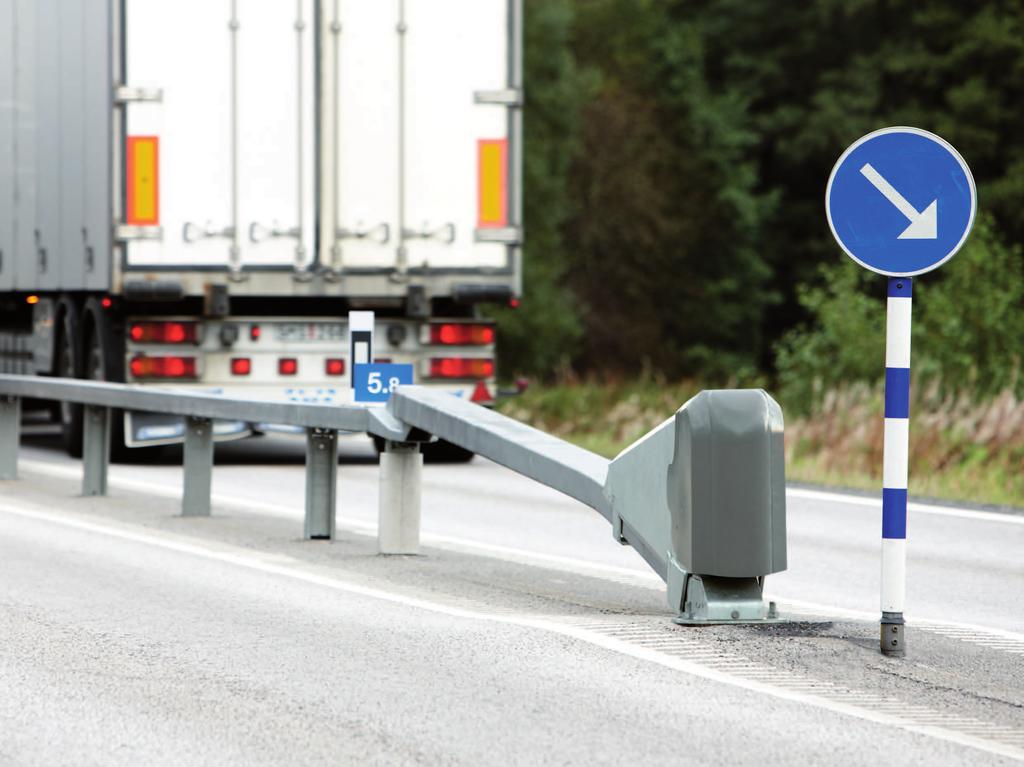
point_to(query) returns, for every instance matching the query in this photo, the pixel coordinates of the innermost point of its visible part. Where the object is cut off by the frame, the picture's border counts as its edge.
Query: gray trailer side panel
(6, 144)
(24, 259)
(68, 252)
(47, 129)
(97, 117)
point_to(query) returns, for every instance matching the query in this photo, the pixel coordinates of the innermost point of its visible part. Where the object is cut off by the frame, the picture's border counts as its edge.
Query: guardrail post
(401, 469)
(321, 482)
(10, 436)
(95, 449)
(198, 467)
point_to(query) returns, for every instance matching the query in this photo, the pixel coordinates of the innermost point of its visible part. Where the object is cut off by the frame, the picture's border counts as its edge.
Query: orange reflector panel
(492, 183)
(142, 169)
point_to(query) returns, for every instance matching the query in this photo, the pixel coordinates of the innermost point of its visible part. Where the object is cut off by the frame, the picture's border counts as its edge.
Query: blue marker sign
(374, 383)
(900, 201)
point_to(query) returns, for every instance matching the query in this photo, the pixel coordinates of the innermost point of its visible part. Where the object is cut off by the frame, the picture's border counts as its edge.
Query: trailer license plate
(309, 331)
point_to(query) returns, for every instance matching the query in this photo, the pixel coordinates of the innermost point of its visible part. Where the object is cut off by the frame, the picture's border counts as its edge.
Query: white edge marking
(916, 507)
(595, 639)
(642, 577)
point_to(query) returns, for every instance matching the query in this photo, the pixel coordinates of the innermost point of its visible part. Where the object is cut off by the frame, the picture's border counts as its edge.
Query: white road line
(800, 691)
(916, 507)
(972, 632)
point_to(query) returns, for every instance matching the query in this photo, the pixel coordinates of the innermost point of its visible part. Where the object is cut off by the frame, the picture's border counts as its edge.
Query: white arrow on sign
(923, 225)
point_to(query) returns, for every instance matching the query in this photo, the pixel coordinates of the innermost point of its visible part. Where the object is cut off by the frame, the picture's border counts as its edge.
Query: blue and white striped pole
(895, 450)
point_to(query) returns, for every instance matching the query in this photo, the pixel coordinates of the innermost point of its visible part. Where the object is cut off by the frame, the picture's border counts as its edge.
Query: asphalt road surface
(522, 635)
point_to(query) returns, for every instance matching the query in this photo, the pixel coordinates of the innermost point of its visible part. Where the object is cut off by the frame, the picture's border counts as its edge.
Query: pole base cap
(892, 638)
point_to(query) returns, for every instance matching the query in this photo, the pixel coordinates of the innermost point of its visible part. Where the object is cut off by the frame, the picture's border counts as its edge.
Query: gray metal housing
(55, 145)
(710, 482)
(701, 497)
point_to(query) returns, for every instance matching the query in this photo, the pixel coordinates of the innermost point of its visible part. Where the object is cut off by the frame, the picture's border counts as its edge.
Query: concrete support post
(198, 466)
(321, 483)
(95, 449)
(401, 469)
(10, 436)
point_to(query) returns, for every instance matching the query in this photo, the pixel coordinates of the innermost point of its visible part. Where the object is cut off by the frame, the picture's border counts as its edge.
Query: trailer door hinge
(509, 97)
(127, 232)
(506, 235)
(126, 94)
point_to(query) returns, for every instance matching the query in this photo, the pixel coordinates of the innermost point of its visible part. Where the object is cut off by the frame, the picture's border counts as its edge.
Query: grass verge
(960, 450)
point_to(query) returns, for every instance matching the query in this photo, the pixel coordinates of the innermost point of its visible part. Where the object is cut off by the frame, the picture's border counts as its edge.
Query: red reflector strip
(461, 334)
(492, 183)
(481, 394)
(163, 332)
(334, 367)
(461, 367)
(241, 366)
(142, 180)
(163, 367)
(287, 366)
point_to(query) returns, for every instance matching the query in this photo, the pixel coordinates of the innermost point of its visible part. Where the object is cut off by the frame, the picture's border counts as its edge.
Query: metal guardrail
(322, 422)
(701, 497)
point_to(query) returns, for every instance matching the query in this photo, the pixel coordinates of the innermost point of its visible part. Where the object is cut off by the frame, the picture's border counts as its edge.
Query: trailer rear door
(418, 164)
(222, 165)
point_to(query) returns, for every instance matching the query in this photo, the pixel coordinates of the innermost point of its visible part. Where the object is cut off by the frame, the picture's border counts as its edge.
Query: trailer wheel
(101, 364)
(446, 452)
(68, 365)
(436, 452)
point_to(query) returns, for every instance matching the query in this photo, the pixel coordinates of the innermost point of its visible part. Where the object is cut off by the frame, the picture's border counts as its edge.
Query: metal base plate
(680, 620)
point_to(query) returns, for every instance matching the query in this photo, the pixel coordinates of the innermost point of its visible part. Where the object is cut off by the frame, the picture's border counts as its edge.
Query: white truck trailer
(197, 193)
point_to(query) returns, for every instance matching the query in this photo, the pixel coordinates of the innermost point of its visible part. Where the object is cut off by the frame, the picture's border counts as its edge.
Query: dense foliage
(966, 330)
(676, 156)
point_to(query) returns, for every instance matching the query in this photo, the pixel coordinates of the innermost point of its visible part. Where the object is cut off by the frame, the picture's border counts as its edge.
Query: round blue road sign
(900, 201)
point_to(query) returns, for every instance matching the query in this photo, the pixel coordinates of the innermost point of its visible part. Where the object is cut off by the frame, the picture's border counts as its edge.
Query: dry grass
(959, 449)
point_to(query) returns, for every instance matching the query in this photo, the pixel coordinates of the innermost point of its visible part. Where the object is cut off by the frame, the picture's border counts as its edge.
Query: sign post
(900, 202)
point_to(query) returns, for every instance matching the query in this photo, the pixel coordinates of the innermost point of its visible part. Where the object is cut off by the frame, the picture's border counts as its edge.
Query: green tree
(541, 335)
(663, 254)
(967, 326)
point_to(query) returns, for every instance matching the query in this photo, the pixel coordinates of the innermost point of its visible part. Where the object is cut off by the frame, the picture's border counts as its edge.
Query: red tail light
(461, 334)
(163, 332)
(334, 367)
(241, 366)
(287, 366)
(254, 332)
(461, 367)
(163, 367)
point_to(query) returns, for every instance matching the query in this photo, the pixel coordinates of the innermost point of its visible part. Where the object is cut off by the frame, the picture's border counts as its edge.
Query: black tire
(102, 362)
(68, 364)
(435, 452)
(446, 452)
